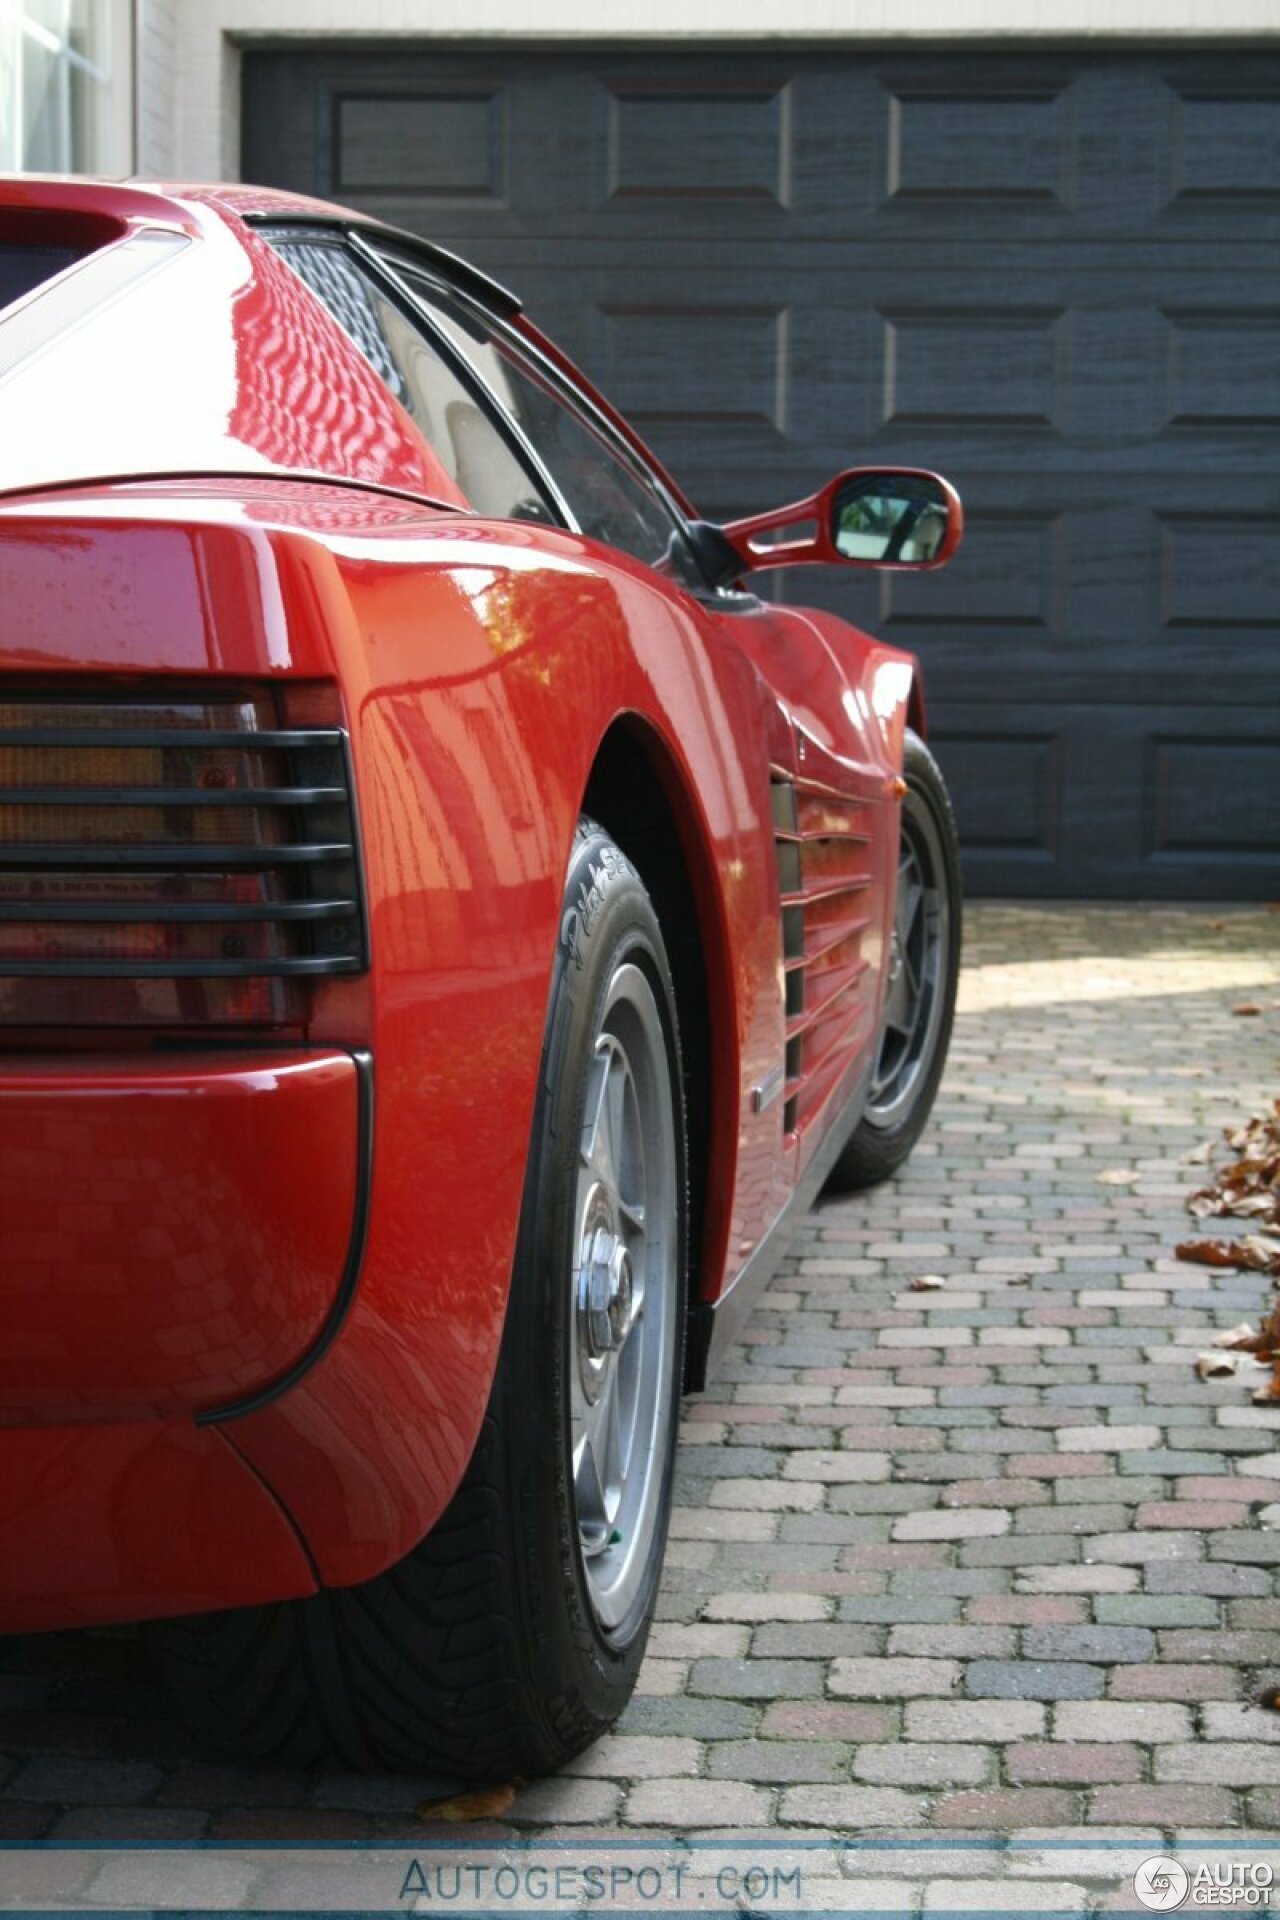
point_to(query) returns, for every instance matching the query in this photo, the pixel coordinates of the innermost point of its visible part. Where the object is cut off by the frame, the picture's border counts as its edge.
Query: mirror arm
(717, 557)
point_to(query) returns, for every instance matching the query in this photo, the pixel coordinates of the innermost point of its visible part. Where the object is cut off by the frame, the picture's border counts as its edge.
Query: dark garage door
(1053, 275)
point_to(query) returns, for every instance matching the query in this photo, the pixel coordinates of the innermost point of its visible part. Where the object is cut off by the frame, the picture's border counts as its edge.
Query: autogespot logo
(1161, 1883)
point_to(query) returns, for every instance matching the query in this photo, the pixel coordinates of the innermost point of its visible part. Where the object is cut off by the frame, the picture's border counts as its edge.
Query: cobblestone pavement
(984, 1557)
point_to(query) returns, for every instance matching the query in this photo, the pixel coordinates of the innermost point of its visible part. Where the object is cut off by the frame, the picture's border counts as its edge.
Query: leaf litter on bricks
(1246, 1188)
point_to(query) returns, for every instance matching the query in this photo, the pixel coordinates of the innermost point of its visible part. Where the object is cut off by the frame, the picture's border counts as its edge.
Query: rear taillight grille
(173, 841)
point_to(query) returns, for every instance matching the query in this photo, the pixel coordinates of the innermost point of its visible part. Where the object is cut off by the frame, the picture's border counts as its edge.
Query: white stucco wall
(156, 58)
(189, 50)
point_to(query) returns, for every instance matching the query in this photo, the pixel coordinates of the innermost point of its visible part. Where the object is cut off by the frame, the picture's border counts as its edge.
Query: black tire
(908, 1067)
(482, 1655)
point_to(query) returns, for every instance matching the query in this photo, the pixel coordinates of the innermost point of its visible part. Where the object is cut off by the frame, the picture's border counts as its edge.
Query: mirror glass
(890, 516)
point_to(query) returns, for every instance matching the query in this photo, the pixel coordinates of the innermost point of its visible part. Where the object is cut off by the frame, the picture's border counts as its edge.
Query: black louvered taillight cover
(159, 843)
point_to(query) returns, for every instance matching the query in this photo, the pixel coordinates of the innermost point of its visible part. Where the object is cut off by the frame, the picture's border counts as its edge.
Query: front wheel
(920, 994)
(511, 1637)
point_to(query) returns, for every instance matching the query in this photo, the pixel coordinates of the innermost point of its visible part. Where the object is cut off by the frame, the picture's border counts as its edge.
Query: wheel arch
(636, 791)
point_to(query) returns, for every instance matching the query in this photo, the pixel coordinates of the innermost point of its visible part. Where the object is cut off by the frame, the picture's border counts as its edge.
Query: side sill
(714, 1326)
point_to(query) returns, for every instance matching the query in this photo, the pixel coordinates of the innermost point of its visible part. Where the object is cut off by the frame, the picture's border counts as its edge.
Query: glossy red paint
(125, 1296)
(179, 287)
(133, 1521)
(233, 536)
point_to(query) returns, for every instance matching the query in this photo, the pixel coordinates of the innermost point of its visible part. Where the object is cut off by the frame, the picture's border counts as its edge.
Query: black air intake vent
(823, 846)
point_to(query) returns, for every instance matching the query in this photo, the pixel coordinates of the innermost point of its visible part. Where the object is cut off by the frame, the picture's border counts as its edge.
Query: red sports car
(449, 926)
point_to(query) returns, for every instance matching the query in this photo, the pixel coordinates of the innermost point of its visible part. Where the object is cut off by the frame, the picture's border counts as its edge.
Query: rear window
(25, 267)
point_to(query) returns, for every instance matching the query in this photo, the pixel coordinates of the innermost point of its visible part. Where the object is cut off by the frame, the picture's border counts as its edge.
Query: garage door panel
(1009, 777)
(1224, 151)
(1220, 573)
(1223, 364)
(980, 144)
(668, 138)
(1147, 805)
(433, 145)
(1206, 794)
(1012, 588)
(1052, 274)
(697, 364)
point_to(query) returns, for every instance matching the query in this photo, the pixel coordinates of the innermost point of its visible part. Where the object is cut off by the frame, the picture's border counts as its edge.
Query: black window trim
(342, 239)
(510, 430)
(491, 293)
(561, 387)
(375, 245)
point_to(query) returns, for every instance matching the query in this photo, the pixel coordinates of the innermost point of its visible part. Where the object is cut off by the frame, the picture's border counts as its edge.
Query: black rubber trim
(285, 223)
(194, 738)
(64, 854)
(211, 912)
(344, 1299)
(303, 966)
(194, 797)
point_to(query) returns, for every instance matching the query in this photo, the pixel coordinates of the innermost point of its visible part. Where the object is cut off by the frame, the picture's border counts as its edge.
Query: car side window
(449, 413)
(609, 498)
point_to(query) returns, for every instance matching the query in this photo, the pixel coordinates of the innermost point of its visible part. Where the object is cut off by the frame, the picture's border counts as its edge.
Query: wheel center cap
(619, 1294)
(608, 1295)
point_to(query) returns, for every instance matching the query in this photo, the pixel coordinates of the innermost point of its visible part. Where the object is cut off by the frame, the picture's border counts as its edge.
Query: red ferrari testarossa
(449, 926)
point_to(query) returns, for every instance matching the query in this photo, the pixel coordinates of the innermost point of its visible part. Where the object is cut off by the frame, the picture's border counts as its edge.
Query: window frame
(383, 253)
(563, 391)
(283, 233)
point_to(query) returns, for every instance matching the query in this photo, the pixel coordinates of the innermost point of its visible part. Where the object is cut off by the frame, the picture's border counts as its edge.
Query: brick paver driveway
(988, 1556)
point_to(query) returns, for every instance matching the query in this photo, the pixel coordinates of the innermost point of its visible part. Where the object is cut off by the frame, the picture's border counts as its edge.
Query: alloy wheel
(623, 1319)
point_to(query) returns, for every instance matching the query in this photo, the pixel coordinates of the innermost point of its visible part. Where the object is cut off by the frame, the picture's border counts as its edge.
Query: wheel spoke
(910, 900)
(615, 1104)
(611, 1463)
(599, 1135)
(589, 1491)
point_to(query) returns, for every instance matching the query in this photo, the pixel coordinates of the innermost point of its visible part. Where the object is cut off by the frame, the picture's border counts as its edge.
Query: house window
(65, 102)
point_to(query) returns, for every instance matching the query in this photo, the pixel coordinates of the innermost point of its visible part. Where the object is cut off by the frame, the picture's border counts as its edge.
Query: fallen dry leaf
(927, 1283)
(1216, 1366)
(1262, 1251)
(482, 1803)
(1207, 1253)
(1241, 1339)
(1119, 1177)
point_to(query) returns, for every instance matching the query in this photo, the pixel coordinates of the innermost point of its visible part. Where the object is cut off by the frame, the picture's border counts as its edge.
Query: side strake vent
(824, 869)
(191, 857)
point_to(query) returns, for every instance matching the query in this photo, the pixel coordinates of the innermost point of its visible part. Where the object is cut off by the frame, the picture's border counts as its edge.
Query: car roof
(107, 375)
(178, 341)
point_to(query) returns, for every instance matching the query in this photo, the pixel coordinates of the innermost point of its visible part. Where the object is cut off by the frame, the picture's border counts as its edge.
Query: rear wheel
(511, 1637)
(920, 995)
